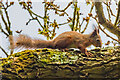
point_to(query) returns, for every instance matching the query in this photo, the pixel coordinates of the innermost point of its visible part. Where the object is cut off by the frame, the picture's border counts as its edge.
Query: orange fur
(69, 39)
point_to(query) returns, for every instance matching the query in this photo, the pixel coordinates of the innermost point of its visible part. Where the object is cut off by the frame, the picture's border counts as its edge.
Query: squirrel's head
(95, 38)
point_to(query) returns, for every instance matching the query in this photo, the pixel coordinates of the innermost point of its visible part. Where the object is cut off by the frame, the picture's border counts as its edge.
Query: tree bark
(49, 63)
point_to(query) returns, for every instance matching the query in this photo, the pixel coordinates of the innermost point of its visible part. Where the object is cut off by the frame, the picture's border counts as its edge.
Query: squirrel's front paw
(89, 54)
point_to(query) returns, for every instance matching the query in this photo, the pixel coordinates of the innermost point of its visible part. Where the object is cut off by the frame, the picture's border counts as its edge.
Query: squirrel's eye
(97, 40)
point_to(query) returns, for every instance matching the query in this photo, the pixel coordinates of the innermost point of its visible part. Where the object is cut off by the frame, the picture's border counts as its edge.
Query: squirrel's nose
(100, 45)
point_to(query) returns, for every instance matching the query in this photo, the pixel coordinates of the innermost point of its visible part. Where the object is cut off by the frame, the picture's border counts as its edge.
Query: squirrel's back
(69, 39)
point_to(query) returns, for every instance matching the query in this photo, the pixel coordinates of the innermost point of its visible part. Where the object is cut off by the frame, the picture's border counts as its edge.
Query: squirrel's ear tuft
(94, 33)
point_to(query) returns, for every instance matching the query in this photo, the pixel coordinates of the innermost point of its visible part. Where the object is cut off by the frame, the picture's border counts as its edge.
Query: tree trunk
(50, 63)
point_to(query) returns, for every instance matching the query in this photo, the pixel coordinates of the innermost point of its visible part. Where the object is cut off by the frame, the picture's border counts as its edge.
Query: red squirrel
(71, 39)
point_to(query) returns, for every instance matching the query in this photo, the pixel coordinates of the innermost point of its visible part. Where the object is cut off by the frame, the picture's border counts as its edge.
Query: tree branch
(34, 18)
(3, 31)
(118, 14)
(104, 31)
(75, 7)
(63, 23)
(5, 9)
(4, 51)
(6, 26)
(108, 7)
(104, 22)
(88, 20)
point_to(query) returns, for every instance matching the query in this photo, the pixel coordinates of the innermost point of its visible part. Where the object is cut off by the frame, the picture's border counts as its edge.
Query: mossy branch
(50, 63)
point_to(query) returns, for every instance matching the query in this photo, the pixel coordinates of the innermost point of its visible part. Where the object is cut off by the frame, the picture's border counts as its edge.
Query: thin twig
(30, 20)
(104, 31)
(5, 9)
(108, 12)
(3, 31)
(30, 12)
(75, 7)
(77, 19)
(4, 22)
(36, 14)
(80, 25)
(63, 9)
(67, 6)
(64, 23)
(109, 9)
(108, 34)
(34, 18)
(4, 51)
(118, 14)
(89, 19)
(45, 16)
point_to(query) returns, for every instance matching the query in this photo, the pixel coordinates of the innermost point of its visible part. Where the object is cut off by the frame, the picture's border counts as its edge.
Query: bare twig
(88, 20)
(63, 23)
(5, 9)
(108, 34)
(67, 6)
(118, 14)
(30, 20)
(36, 14)
(4, 51)
(108, 12)
(77, 23)
(104, 22)
(34, 18)
(6, 26)
(108, 6)
(63, 9)
(104, 31)
(3, 31)
(75, 7)
(80, 25)
(45, 16)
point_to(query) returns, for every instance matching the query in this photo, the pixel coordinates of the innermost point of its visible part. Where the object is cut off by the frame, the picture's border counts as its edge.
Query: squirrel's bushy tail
(27, 42)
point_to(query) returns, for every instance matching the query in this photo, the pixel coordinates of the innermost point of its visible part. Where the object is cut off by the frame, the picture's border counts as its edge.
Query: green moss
(27, 62)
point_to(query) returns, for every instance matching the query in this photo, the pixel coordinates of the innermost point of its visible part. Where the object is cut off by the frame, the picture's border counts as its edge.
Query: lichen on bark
(53, 63)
